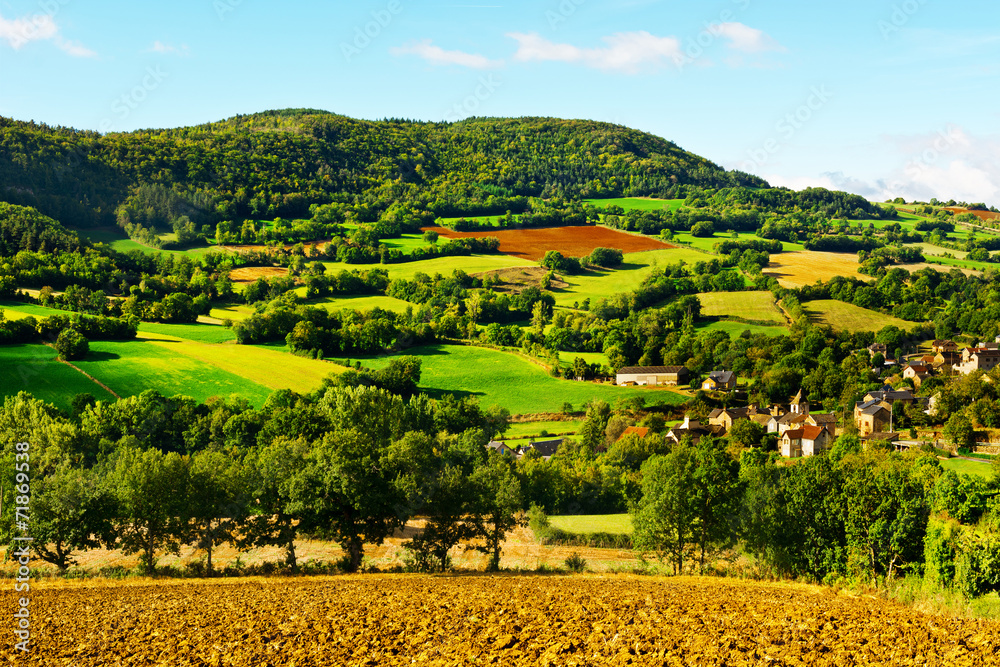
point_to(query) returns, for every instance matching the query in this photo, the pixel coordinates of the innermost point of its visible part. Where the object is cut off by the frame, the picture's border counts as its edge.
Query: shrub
(71, 345)
(576, 563)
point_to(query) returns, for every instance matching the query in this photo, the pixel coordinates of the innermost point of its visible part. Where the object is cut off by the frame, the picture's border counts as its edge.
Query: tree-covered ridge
(280, 163)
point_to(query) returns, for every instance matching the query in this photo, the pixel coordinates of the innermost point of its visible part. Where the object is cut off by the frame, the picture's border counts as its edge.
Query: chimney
(687, 422)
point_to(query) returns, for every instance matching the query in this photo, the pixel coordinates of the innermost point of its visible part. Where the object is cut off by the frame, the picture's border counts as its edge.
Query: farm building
(917, 372)
(503, 448)
(720, 381)
(652, 376)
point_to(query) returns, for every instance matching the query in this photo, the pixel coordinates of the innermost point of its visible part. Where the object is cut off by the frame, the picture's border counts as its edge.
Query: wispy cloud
(745, 39)
(437, 56)
(161, 47)
(42, 27)
(626, 52)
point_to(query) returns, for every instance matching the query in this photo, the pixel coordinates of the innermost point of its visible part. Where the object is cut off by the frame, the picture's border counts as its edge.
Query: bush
(71, 345)
(576, 563)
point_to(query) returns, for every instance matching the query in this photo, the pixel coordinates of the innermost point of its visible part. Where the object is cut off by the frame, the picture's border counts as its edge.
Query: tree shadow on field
(438, 394)
(102, 356)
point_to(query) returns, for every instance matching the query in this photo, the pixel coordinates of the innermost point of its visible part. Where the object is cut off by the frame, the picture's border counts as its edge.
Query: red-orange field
(982, 215)
(574, 241)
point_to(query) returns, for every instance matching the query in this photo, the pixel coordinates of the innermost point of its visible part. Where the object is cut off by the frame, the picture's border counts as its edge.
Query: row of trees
(861, 515)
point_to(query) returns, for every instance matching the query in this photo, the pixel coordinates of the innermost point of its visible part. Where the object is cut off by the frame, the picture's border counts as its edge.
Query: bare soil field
(805, 267)
(982, 215)
(483, 619)
(575, 241)
(249, 274)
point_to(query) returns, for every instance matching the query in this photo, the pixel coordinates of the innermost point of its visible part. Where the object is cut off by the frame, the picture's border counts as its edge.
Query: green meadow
(848, 317)
(615, 524)
(638, 203)
(625, 278)
(443, 265)
(489, 375)
(34, 368)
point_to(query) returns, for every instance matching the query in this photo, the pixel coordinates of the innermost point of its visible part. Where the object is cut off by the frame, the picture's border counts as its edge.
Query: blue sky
(883, 98)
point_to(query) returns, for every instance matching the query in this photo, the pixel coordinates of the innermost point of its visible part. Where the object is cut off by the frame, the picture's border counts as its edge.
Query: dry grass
(249, 274)
(797, 269)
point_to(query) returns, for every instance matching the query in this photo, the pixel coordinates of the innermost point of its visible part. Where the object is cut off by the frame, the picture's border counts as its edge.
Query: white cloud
(948, 164)
(625, 51)
(160, 47)
(745, 39)
(41, 27)
(438, 56)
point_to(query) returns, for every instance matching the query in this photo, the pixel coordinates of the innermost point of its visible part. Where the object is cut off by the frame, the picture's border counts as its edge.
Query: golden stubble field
(487, 620)
(805, 267)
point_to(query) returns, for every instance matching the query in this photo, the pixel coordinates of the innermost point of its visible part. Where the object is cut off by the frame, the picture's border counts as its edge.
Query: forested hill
(278, 163)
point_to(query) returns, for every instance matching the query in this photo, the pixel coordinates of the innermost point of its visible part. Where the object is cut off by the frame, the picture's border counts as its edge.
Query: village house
(977, 359)
(720, 381)
(725, 417)
(917, 372)
(545, 448)
(504, 448)
(640, 431)
(652, 376)
(891, 437)
(871, 416)
(805, 441)
(944, 346)
(693, 428)
(887, 395)
(827, 421)
(788, 421)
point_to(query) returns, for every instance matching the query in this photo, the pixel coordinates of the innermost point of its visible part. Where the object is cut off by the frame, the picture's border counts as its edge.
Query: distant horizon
(886, 99)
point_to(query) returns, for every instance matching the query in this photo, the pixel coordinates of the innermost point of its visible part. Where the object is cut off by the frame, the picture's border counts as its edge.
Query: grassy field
(638, 203)
(707, 243)
(734, 329)
(133, 367)
(968, 467)
(268, 367)
(616, 524)
(848, 317)
(33, 368)
(357, 302)
(201, 333)
(590, 357)
(747, 305)
(489, 376)
(443, 265)
(406, 243)
(234, 312)
(534, 429)
(600, 284)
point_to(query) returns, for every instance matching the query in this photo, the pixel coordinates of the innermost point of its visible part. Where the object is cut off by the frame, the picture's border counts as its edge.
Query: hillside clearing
(572, 241)
(848, 317)
(758, 306)
(489, 375)
(797, 269)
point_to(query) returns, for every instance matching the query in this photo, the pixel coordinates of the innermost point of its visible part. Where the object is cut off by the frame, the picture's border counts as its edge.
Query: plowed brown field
(479, 620)
(575, 241)
(252, 273)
